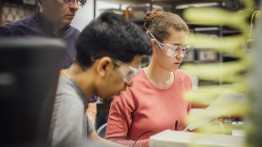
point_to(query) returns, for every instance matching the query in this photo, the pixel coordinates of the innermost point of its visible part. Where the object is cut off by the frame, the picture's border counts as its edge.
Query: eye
(170, 52)
(81, 2)
(173, 47)
(187, 49)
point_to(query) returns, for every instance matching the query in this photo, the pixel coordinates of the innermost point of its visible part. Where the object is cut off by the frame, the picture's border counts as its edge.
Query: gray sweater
(69, 124)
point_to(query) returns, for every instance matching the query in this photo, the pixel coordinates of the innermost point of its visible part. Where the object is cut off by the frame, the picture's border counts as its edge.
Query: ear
(153, 43)
(104, 65)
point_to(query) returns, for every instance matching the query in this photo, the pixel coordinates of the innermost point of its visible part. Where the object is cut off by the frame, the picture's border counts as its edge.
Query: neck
(158, 76)
(56, 26)
(82, 77)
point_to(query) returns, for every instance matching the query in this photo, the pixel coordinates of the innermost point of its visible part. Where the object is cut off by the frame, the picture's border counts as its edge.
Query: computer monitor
(29, 69)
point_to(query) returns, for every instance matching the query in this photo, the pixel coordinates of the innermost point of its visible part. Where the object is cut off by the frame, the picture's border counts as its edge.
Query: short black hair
(111, 35)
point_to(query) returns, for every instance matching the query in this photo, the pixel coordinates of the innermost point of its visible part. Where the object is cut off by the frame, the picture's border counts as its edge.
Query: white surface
(86, 14)
(223, 105)
(238, 133)
(170, 138)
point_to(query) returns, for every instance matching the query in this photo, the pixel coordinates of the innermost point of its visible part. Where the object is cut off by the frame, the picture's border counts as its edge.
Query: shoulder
(67, 95)
(183, 78)
(20, 23)
(127, 99)
(66, 87)
(130, 94)
(140, 82)
(67, 102)
(25, 26)
(182, 74)
(140, 79)
(72, 32)
(4, 31)
(75, 30)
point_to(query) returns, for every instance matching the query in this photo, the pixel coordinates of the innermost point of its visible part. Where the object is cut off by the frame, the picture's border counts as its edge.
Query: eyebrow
(164, 43)
(176, 44)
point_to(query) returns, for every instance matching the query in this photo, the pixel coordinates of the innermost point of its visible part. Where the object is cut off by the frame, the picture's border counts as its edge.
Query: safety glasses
(71, 3)
(127, 72)
(171, 50)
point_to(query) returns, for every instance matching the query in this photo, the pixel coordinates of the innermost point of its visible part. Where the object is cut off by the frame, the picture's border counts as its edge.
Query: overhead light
(184, 6)
(30, 2)
(206, 29)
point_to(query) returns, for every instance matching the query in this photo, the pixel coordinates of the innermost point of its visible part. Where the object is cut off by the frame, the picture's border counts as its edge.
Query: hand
(91, 112)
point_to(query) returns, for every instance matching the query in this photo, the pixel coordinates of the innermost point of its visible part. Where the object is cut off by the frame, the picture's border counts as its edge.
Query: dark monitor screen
(29, 69)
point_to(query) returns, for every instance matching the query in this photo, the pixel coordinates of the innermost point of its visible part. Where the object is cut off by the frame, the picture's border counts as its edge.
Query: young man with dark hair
(51, 19)
(109, 53)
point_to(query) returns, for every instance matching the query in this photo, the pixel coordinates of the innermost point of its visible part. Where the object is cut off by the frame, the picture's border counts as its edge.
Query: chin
(67, 22)
(176, 66)
(173, 69)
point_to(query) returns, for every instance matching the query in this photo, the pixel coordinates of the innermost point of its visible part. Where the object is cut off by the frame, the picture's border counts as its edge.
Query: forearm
(91, 112)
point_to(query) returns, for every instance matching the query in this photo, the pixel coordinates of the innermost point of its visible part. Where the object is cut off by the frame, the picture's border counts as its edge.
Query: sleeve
(4, 32)
(67, 124)
(120, 119)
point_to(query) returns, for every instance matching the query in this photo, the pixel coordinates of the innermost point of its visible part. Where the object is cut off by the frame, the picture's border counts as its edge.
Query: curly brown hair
(159, 21)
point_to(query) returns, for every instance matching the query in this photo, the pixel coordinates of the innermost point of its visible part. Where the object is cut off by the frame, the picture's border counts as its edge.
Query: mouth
(71, 16)
(177, 63)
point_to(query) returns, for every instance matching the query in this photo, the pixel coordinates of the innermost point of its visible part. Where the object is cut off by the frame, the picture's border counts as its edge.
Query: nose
(74, 6)
(180, 54)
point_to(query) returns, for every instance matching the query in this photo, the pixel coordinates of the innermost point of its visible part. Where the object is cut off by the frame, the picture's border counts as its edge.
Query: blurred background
(224, 63)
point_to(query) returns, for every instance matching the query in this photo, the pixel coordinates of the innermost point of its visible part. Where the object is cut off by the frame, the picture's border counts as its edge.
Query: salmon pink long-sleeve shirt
(144, 107)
